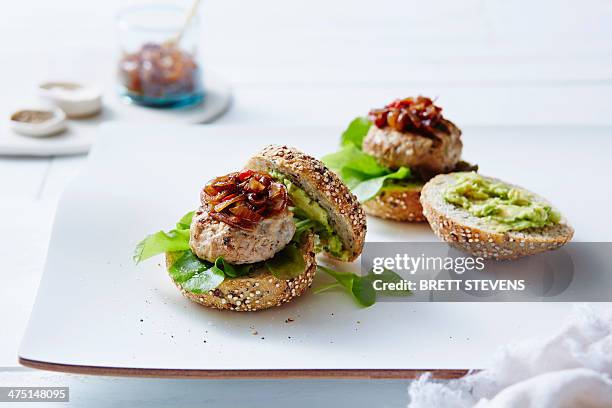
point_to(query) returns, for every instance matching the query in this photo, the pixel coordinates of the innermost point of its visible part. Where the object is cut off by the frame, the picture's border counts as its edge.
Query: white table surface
(489, 62)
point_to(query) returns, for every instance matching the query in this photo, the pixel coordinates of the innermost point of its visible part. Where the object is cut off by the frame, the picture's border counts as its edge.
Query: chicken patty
(210, 239)
(424, 155)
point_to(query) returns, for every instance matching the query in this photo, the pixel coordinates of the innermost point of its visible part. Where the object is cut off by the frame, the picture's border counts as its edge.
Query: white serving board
(140, 179)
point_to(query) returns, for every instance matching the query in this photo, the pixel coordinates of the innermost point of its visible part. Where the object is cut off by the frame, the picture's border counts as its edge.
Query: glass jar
(155, 68)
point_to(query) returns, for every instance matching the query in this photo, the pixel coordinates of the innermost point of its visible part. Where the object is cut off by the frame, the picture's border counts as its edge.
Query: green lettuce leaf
(160, 242)
(186, 266)
(361, 172)
(231, 270)
(204, 281)
(353, 160)
(356, 132)
(195, 275)
(369, 189)
(200, 276)
(361, 287)
(288, 263)
(185, 221)
(175, 240)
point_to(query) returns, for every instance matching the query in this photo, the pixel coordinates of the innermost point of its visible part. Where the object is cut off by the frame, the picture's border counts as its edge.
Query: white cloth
(571, 368)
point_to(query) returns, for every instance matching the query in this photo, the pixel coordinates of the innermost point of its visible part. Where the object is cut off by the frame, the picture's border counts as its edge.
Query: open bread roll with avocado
(489, 218)
(387, 158)
(252, 242)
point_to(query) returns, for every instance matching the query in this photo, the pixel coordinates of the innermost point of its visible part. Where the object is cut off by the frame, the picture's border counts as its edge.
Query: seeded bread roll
(474, 235)
(346, 216)
(258, 290)
(397, 205)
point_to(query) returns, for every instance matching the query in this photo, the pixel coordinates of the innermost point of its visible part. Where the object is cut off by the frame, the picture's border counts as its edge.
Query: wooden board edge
(340, 374)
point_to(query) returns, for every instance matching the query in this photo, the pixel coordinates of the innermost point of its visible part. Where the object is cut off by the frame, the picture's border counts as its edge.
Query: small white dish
(38, 122)
(76, 100)
(82, 133)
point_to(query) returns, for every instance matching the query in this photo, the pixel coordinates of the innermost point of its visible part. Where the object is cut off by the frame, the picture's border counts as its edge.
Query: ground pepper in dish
(32, 116)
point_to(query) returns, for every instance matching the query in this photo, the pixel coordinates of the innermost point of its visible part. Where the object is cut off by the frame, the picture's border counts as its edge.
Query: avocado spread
(305, 209)
(507, 208)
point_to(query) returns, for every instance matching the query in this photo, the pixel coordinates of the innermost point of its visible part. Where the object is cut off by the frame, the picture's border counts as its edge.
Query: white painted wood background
(489, 62)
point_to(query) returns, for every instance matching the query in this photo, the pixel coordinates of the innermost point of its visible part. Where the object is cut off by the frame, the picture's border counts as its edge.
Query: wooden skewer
(192, 12)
